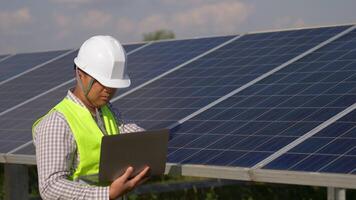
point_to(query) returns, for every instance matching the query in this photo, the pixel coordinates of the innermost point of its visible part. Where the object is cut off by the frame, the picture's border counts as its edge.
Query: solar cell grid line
(27, 149)
(4, 57)
(331, 150)
(187, 89)
(261, 112)
(162, 56)
(131, 47)
(21, 64)
(16, 122)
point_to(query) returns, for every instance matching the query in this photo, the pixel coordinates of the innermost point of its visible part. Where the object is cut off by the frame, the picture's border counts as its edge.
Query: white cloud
(126, 26)
(11, 20)
(289, 22)
(220, 17)
(88, 22)
(180, 2)
(71, 1)
(95, 19)
(64, 23)
(153, 22)
(212, 18)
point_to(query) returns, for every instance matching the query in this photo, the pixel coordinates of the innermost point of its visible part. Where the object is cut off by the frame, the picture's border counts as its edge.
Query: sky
(44, 25)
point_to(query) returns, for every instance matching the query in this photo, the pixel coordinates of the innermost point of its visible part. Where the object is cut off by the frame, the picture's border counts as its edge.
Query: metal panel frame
(305, 178)
(301, 28)
(263, 175)
(238, 173)
(235, 173)
(20, 159)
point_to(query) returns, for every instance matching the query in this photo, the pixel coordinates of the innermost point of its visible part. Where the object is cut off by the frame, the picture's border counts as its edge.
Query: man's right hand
(123, 184)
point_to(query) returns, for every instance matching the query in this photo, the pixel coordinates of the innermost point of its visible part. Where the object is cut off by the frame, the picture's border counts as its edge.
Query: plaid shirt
(57, 158)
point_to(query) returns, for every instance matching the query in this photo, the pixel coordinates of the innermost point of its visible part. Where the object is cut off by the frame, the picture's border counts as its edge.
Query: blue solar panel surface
(160, 57)
(22, 62)
(130, 47)
(246, 128)
(36, 82)
(345, 53)
(331, 150)
(195, 85)
(15, 127)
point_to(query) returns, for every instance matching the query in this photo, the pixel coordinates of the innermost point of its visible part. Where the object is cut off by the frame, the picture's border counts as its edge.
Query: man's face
(98, 95)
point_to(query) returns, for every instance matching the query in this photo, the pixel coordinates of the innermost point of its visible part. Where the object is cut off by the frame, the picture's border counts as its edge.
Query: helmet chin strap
(88, 88)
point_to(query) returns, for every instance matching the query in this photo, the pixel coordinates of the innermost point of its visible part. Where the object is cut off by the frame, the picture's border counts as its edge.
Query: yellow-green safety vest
(87, 135)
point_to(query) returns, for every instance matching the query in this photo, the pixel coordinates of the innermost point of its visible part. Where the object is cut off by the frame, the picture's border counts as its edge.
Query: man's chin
(101, 103)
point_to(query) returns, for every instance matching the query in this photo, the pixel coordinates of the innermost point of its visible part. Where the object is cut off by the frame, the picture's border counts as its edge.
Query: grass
(238, 191)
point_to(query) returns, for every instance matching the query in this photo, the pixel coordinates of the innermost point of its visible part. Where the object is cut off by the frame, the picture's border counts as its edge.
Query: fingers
(127, 173)
(139, 177)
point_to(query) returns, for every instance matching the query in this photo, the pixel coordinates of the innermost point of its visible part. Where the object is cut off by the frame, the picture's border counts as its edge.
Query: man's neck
(80, 95)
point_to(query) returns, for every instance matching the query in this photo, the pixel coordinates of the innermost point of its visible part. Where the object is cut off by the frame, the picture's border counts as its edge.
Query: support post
(336, 193)
(16, 182)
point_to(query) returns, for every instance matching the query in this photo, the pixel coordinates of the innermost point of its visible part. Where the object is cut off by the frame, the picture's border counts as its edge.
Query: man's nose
(110, 90)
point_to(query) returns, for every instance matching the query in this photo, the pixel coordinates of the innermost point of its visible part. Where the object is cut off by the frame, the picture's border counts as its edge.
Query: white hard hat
(104, 58)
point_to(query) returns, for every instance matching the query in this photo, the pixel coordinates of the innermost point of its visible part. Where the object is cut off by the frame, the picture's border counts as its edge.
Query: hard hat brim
(111, 83)
(115, 83)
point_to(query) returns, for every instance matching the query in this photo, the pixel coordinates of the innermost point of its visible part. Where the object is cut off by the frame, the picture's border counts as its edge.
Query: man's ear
(80, 73)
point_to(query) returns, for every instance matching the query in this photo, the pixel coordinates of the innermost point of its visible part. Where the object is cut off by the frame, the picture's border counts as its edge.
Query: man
(68, 138)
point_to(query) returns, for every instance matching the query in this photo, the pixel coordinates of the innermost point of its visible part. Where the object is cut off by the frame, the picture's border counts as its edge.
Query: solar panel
(36, 82)
(195, 85)
(160, 57)
(22, 62)
(16, 126)
(62, 71)
(331, 150)
(251, 125)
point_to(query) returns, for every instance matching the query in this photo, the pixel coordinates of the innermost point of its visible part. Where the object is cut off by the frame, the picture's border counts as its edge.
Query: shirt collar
(75, 99)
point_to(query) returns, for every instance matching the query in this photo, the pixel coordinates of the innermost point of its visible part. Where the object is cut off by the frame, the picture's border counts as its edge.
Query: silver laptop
(139, 149)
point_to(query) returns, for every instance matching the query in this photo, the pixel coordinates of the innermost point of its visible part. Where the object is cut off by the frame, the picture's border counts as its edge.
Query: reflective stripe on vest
(87, 135)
